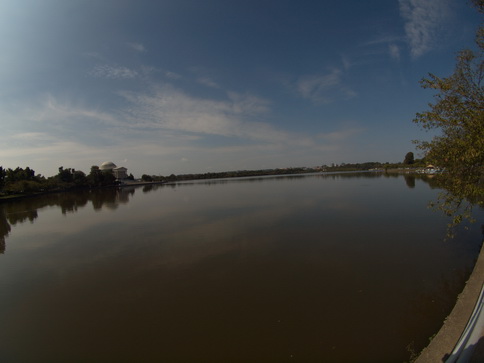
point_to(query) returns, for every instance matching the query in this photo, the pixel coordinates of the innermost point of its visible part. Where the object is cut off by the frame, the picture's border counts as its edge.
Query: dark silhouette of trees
(409, 158)
(24, 181)
(3, 175)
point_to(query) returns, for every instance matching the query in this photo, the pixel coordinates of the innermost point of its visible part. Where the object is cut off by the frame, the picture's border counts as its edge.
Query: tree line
(26, 181)
(409, 161)
(227, 174)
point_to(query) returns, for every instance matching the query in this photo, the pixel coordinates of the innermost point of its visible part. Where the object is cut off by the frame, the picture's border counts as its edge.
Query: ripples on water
(341, 267)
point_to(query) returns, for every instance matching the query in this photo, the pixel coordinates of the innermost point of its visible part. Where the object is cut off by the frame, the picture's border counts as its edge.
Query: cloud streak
(423, 20)
(323, 88)
(43, 146)
(137, 47)
(394, 51)
(169, 108)
(207, 81)
(113, 72)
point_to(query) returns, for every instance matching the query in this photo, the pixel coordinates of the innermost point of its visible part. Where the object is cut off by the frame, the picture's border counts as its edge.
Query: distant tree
(28, 174)
(65, 175)
(19, 174)
(3, 174)
(79, 178)
(458, 113)
(108, 178)
(146, 178)
(95, 176)
(98, 177)
(409, 159)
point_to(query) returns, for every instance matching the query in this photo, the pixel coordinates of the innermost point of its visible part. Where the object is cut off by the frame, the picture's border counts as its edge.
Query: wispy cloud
(387, 39)
(94, 55)
(172, 75)
(169, 108)
(113, 72)
(137, 47)
(343, 134)
(423, 20)
(205, 76)
(36, 145)
(31, 137)
(387, 45)
(54, 111)
(247, 104)
(207, 81)
(394, 51)
(323, 88)
(314, 87)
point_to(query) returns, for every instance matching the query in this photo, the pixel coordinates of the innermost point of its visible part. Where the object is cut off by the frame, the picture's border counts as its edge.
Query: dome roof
(107, 165)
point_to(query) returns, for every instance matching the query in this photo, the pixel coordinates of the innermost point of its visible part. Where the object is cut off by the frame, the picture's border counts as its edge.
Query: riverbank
(461, 338)
(13, 197)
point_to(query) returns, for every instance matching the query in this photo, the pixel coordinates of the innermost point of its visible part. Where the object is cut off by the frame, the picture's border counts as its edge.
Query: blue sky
(181, 86)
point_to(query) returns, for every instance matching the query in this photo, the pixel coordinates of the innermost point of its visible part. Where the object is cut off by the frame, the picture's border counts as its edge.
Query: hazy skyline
(178, 86)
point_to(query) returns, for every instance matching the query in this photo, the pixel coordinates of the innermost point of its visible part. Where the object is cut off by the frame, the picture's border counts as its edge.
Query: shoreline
(183, 178)
(11, 198)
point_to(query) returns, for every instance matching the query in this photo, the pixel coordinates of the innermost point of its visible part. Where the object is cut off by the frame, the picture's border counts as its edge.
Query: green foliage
(98, 178)
(458, 114)
(24, 181)
(19, 181)
(79, 178)
(95, 176)
(409, 158)
(3, 175)
(146, 178)
(18, 174)
(65, 175)
(24, 187)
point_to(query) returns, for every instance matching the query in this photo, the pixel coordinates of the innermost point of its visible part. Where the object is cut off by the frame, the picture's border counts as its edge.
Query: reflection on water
(20, 211)
(410, 180)
(326, 267)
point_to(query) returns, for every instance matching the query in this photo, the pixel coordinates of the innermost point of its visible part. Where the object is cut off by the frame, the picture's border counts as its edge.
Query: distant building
(108, 166)
(120, 173)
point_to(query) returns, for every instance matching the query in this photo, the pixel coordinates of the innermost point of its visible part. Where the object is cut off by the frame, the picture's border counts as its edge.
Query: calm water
(350, 267)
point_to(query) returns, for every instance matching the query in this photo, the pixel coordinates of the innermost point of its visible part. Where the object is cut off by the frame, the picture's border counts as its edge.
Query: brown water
(350, 267)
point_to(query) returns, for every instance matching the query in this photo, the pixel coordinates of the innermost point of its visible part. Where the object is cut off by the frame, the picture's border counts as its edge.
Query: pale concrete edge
(445, 340)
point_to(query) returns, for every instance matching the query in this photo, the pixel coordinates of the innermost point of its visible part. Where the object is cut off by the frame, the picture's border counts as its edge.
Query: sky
(190, 86)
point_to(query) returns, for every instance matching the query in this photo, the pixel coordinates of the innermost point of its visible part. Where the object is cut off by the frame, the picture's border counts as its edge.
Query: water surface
(339, 267)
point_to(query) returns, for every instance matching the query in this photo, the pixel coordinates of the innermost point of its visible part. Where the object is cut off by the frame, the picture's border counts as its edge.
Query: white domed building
(107, 166)
(120, 173)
